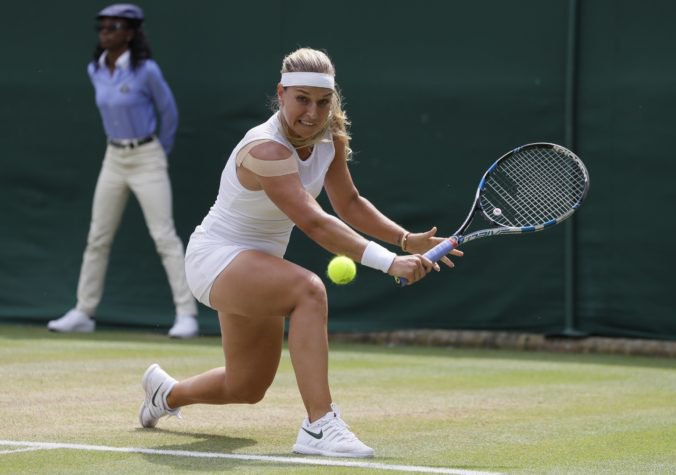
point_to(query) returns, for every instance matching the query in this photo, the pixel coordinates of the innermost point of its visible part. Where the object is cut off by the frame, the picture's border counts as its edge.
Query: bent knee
(247, 395)
(313, 290)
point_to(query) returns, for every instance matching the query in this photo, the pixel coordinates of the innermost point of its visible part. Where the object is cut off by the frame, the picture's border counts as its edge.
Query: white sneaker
(157, 384)
(185, 326)
(74, 321)
(330, 436)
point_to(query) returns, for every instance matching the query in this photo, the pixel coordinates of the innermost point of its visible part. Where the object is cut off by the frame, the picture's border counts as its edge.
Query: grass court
(69, 405)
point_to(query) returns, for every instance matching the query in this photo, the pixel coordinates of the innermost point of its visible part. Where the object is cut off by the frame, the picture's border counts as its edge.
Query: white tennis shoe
(157, 384)
(330, 436)
(185, 326)
(74, 321)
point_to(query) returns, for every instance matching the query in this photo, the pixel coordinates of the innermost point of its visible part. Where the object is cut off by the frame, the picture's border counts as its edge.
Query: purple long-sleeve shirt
(131, 101)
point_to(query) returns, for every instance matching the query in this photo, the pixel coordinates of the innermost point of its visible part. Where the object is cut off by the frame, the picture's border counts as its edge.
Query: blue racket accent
(434, 254)
(531, 188)
(482, 183)
(492, 167)
(440, 250)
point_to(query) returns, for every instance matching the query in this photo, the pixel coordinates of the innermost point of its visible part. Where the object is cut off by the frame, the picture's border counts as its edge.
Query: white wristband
(377, 257)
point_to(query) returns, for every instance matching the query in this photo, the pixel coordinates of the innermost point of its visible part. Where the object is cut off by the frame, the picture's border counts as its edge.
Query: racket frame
(459, 237)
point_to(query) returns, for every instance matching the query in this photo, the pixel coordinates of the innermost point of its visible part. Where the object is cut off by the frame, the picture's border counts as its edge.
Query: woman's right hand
(412, 267)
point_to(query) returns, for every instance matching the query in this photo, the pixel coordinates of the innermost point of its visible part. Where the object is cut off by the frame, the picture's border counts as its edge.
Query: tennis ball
(342, 270)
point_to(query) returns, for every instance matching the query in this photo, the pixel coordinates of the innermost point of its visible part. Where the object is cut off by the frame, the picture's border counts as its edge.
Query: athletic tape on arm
(266, 168)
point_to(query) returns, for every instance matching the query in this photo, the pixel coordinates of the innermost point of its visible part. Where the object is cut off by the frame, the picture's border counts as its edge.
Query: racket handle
(434, 254)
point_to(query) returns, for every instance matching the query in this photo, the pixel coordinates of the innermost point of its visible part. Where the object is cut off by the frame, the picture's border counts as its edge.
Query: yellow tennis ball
(342, 270)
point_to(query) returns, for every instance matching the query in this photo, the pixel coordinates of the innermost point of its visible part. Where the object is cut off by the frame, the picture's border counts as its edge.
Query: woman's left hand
(419, 243)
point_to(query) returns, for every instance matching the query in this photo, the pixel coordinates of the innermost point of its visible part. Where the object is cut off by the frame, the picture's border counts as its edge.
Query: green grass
(499, 411)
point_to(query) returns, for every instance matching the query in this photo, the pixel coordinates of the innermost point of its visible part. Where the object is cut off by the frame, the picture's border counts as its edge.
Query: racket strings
(517, 207)
(532, 187)
(543, 186)
(547, 183)
(533, 204)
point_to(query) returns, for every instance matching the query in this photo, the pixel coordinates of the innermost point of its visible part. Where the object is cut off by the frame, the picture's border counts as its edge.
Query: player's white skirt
(205, 259)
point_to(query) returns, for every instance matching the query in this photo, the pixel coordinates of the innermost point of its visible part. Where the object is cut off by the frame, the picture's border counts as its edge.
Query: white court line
(258, 458)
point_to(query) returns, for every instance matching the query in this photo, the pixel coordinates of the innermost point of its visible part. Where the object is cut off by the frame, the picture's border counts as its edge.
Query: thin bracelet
(404, 241)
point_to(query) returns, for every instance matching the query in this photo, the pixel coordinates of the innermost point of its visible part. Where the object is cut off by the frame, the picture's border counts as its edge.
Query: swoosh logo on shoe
(314, 434)
(155, 394)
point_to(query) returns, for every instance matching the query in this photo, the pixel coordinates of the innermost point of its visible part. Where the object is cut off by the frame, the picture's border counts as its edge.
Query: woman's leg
(150, 183)
(252, 352)
(252, 295)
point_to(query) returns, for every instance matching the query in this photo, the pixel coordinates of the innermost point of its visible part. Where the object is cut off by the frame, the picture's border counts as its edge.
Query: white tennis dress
(242, 219)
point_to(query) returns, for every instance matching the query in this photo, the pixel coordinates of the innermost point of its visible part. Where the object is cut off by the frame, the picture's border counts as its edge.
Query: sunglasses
(111, 27)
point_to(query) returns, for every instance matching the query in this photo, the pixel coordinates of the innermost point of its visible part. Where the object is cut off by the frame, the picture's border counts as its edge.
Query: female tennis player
(235, 259)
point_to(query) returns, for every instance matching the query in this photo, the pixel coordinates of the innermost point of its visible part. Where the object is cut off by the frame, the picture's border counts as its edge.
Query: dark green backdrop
(436, 91)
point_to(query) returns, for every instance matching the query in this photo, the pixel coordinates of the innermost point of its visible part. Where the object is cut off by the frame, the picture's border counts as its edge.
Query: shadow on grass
(203, 443)
(219, 444)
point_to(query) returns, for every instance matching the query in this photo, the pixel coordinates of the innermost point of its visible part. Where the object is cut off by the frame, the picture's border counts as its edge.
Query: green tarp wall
(436, 91)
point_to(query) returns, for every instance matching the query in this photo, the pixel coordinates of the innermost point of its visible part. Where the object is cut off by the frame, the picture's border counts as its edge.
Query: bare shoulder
(270, 150)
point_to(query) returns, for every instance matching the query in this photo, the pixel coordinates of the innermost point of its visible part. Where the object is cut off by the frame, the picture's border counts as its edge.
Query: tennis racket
(530, 188)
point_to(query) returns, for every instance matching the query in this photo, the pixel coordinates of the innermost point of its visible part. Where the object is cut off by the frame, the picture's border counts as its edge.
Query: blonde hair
(311, 60)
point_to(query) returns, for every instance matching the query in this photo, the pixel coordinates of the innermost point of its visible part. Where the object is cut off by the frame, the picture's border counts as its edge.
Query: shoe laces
(340, 430)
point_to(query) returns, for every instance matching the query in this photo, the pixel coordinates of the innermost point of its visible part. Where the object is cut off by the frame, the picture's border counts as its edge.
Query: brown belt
(131, 143)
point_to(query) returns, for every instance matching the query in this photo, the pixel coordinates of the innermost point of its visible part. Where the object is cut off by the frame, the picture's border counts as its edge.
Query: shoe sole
(73, 330)
(305, 450)
(183, 337)
(144, 380)
(140, 418)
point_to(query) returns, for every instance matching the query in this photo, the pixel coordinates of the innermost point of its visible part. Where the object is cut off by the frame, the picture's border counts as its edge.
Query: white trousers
(143, 171)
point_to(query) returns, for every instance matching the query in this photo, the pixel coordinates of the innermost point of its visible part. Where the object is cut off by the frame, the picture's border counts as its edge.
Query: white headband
(308, 79)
